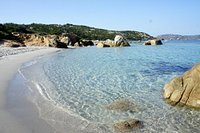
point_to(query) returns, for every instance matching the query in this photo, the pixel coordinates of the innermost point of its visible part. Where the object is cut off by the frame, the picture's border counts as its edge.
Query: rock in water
(153, 42)
(185, 89)
(60, 45)
(102, 45)
(120, 41)
(126, 125)
(64, 39)
(86, 43)
(122, 105)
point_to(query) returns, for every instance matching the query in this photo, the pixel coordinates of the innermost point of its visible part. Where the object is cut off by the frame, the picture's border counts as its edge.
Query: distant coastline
(178, 37)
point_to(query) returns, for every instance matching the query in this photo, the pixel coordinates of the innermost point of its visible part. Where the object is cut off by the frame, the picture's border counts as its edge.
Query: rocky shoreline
(61, 41)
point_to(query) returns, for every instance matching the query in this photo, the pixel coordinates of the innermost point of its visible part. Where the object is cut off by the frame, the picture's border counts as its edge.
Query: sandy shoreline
(8, 68)
(19, 114)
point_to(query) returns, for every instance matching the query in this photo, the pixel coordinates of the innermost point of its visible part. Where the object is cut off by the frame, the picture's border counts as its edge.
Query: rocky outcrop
(127, 125)
(59, 44)
(32, 39)
(44, 40)
(185, 90)
(102, 45)
(86, 43)
(64, 39)
(11, 43)
(110, 43)
(119, 41)
(122, 105)
(153, 42)
(74, 39)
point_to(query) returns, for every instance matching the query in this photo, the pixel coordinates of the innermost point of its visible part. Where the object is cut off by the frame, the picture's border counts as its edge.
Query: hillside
(179, 37)
(84, 32)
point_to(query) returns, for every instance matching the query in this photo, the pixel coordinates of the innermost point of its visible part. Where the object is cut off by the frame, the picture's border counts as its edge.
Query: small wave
(42, 90)
(28, 64)
(20, 73)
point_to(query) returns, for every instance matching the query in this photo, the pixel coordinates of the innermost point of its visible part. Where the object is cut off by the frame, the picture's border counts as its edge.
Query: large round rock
(185, 89)
(120, 41)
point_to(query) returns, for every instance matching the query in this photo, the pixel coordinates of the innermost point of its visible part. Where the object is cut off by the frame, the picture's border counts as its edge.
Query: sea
(71, 88)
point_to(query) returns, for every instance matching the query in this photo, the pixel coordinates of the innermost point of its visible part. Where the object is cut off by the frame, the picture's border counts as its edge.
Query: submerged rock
(185, 90)
(126, 125)
(122, 105)
(153, 42)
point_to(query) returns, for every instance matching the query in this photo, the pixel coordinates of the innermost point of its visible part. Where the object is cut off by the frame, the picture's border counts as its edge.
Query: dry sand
(10, 123)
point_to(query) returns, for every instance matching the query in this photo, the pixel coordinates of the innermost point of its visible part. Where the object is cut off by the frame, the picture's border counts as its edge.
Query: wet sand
(18, 111)
(16, 114)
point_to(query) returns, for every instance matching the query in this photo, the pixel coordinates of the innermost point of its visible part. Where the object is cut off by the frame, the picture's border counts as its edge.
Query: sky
(154, 17)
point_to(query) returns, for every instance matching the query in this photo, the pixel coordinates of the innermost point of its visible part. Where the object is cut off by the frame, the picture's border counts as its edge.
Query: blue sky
(151, 16)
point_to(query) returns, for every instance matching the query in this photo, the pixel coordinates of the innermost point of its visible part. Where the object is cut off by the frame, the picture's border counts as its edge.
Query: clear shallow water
(82, 81)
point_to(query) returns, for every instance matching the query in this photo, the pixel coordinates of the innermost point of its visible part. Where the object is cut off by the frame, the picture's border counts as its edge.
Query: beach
(83, 81)
(108, 67)
(66, 91)
(18, 110)
(10, 61)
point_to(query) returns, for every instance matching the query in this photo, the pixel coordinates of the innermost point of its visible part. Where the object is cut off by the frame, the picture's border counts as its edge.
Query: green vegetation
(84, 32)
(6, 32)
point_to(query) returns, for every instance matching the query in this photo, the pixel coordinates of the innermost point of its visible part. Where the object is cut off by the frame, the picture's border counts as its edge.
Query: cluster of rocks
(119, 41)
(58, 41)
(185, 90)
(153, 42)
(62, 41)
(65, 40)
(124, 105)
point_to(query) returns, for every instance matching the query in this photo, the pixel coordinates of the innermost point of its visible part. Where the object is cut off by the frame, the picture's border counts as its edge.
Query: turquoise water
(84, 80)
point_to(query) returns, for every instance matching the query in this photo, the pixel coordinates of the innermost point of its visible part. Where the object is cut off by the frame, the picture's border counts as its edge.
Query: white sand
(19, 115)
(9, 65)
(5, 51)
